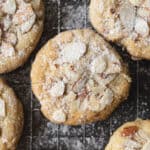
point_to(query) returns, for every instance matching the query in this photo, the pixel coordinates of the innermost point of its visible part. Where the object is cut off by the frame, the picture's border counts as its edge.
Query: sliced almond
(144, 13)
(143, 135)
(71, 74)
(57, 89)
(101, 6)
(146, 146)
(127, 15)
(113, 63)
(94, 104)
(129, 131)
(7, 50)
(0, 35)
(10, 38)
(9, 6)
(106, 99)
(25, 17)
(80, 84)
(71, 96)
(72, 52)
(141, 27)
(103, 79)
(59, 116)
(2, 108)
(84, 105)
(136, 2)
(98, 65)
(6, 22)
(132, 145)
(146, 4)
(26, 26)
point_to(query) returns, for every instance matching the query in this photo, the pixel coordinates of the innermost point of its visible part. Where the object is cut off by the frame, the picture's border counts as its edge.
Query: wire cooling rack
(39, 133)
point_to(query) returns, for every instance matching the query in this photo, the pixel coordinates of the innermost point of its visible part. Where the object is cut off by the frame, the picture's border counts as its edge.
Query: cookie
(21, 25)
(11, 118)
(131, 136)
(125, 22)
(79, 78)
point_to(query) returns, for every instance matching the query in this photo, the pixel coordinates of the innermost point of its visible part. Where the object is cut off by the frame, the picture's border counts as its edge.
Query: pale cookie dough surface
(79, 78)
(131, 136)
(126, 22)
(21, 25)
(11, 118)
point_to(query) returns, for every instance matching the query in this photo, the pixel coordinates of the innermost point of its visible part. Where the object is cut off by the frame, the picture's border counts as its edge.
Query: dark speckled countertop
(39, 133)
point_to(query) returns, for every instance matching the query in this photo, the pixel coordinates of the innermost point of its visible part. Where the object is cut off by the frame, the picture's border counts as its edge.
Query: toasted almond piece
(132, 145)
(70, 74)
(71, 96)
(59, 116)
(129, 131)
(73, 51)
(106, 99)
(127, 15)
(2, 108)
(98, 65)
(94, 104)
(26, 26)
(98, 89)
(0, 35)
(103, 79)
(90, 84)
(10, 38)
(25, 17)
(146, 146)
(57, 89)
(146, 4)
(80, 84)
(136, 2)
(141, 27)
(101, 6)
(144, 13)
(7, 23)
(143, 135)
(84, 105)
(7, 50)
(9, 6)
(113, 63)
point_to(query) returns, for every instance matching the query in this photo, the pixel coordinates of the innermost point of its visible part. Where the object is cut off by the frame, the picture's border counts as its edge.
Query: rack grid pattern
(39, 133)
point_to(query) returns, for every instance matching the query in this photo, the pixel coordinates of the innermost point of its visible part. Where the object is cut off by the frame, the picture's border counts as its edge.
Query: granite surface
(39, 133)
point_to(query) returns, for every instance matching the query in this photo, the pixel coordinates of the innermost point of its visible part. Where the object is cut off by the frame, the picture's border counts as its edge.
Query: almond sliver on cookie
(58, 89)
(59, 116)
(136, 2)
(146, 146)
(73, 51)
(141, 27)
(2, 108)
(127, 15)
(10, 6)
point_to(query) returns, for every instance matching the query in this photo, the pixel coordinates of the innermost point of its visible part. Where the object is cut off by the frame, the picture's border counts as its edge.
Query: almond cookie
(126, 22)
(131, 136)
(11, 118)
(79, 78)
(21, 25)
